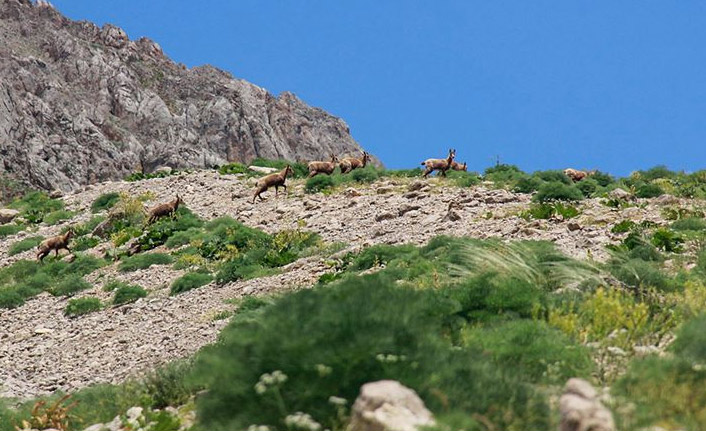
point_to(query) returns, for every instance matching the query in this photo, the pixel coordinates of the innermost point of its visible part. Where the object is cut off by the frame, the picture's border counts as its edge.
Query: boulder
(7, 215)
(56, 194)
(387, 405)
(581, 410)
(621, 194)
(163, 170)
(666, 199)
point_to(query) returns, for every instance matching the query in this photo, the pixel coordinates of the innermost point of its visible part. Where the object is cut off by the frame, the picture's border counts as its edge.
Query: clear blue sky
(617, 86)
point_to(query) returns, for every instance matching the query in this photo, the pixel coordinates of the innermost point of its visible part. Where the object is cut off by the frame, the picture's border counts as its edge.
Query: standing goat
(349, 163)
(327, 168)
(55, 243)
(577, 175)
(162, 210)
(441, 165)
(275, 180)
(456, 166)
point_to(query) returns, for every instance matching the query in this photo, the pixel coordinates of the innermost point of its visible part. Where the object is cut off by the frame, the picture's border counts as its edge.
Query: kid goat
(350, 163)
(163, 210)
(275, 180)
(327, 168)
(456, 166)
(441, 165)
(55, 243)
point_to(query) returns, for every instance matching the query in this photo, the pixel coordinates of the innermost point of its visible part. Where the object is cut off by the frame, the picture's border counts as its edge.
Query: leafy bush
(80, 306)
(143, 261)
(553, 177)
(641, 274)
(10, 298)
(192, 280)
(649, 191)
(527, 185)
(329, 341)
(503, 175)
(557, 191)
(159, 232)
(690, 223)
(10, 229)
(127, 294)
(540, 353)
(24, 245)
(667, 240)
(603, 179)
(367, 174)
(624, 226)
(319, 183)
(235, 270)
(545, 211)
(55, 217)
(233, 168)
(105, 202)
(691, 340)
(34, 206)
(588, 186)
(463, 179)
(167, 385)
(70, 285)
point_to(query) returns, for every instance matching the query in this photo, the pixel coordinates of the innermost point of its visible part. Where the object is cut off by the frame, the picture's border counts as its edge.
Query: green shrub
(24, 245)
(649, 191)
(588, 186)
(34, 206)
(666, 392)
(329, 341)
(463, 179)
(56, 216)
(690, 223)
(367, 174)
(624, 226)
(128, 294)
(10, 298)
(192, 280)
(646, 252)
(70, 286)
(105, 202)
(233, 168)
(84, 243)
(319, 183)
(690, 343)
(545, 211)
(553, 177)
(381, 254)
(659, 171)
(540, 353)
(602, 178)
(557, 191)
(80, 306)
(143, 261)
(667, 240)
(184, 237)
(527, 185)
(167, 385)
(641, 274)
(235, 271)
(159, 232)
(10, 229)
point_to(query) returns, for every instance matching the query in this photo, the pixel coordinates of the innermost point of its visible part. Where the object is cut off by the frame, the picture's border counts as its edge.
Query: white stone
(388, 405)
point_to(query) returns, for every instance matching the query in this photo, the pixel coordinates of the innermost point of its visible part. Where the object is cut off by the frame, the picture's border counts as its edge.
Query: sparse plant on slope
(80, 306)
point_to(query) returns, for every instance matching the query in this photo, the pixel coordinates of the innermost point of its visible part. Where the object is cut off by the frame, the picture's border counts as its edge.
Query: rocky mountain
(81, 104)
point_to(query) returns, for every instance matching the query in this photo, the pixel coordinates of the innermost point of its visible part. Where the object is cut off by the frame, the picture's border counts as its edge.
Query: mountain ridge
(81, 104)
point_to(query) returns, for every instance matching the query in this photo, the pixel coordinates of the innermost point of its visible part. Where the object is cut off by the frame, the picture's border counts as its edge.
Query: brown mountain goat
(456, 166)
(163, 210)
(275, 180)
(55, 243)
(349, 163)
(441, 165)
(327, 168)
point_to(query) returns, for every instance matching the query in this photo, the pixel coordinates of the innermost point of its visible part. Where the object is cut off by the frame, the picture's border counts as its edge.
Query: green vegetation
(192, 280)
(319, 183)
(143, 261)
(27, 278)
(24, 245)
(557, 191)
(34, 206)
(128, 293)
(80, 306)
(139, 176)
(545, 211)
(105, 201)
(10, 229)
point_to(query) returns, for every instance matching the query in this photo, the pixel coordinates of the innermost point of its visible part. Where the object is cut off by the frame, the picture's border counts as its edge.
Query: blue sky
(617, 86)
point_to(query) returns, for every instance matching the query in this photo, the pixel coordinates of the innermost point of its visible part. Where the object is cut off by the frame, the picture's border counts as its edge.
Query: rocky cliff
(81, 104)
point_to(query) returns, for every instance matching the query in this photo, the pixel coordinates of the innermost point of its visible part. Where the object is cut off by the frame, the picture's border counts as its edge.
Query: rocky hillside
(81, 104)
(43, 350)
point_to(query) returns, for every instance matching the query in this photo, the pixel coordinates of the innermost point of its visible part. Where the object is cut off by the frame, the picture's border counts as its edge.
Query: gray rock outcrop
(387, 405)
(581, 410)
(81, 104)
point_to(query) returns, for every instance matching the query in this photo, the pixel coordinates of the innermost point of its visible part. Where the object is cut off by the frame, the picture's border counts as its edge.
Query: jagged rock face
(81, 104)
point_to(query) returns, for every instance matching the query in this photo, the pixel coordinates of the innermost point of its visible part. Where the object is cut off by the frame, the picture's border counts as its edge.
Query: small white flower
(302, 421)
(337, 401)
(323, 370)
(260, 388)
(279, 376)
